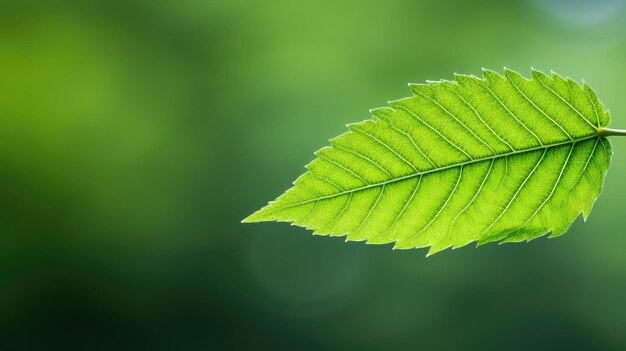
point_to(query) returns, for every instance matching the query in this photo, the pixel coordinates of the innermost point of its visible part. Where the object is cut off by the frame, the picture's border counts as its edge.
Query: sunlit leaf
(497, 158)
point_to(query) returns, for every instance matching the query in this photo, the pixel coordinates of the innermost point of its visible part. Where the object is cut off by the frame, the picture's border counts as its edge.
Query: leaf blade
(450, 165)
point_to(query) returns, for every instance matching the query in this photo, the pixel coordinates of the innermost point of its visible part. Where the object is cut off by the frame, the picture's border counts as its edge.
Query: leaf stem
(610, 132)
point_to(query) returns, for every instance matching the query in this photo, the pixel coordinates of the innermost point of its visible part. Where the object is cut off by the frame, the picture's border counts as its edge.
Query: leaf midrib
(439, 169)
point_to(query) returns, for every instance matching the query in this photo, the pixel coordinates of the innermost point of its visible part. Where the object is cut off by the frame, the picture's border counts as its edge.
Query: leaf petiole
(611, 132)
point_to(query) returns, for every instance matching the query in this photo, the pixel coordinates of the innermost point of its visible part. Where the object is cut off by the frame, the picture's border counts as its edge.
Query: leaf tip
(259, 216)
(249, 219)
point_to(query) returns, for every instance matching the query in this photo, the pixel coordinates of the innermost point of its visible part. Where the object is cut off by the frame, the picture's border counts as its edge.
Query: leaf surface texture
(498, 158)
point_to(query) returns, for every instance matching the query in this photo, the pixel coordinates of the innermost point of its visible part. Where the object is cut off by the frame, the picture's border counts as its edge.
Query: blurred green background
(135, 135)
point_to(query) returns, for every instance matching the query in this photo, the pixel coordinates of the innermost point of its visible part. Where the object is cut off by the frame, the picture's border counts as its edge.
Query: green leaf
(502, 158)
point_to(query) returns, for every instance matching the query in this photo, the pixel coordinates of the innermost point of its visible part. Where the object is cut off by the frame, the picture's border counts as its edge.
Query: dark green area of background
(135, 135)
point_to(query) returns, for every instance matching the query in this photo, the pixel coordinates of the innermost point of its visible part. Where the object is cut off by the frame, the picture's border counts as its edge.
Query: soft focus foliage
(494, 159)
(135, 135)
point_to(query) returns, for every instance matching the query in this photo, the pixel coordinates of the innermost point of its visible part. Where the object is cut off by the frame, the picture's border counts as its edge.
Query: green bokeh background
(135, 135)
